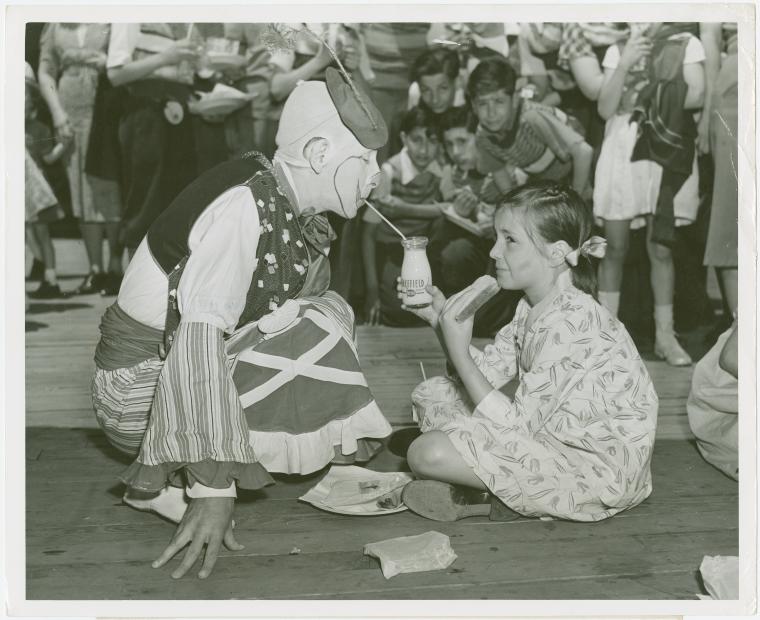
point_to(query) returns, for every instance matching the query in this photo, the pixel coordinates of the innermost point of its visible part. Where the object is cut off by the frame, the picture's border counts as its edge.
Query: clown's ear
(316, 152)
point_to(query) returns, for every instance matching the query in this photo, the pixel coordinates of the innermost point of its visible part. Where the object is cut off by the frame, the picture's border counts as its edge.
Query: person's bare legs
(42, 236)
(32, 243)
(617, 233)
(115, 249)
(662, 277)
(433, 456)
(92, 235)
(729, 287)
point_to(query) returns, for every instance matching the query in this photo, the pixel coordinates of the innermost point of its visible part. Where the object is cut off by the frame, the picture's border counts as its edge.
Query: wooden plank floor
(83, 544)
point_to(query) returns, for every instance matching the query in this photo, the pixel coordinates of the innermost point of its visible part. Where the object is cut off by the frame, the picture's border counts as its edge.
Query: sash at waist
(125, 342)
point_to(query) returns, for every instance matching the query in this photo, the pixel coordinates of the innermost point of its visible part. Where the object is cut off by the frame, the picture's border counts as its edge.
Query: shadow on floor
(39, 308)
(33, 326)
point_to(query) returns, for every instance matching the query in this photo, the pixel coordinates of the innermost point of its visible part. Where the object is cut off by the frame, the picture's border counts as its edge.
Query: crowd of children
(474, 110)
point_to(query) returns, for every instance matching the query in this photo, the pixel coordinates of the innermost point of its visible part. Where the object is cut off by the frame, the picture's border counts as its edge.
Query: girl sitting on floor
(575, 439)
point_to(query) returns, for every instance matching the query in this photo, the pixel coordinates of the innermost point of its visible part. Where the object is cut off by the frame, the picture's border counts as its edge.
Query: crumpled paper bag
(720, 574)
(412, 554)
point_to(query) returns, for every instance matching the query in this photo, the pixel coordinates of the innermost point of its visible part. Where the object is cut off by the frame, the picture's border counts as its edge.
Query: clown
(225, 357)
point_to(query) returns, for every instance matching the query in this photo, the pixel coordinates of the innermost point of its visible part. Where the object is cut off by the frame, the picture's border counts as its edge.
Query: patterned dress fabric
(713, 408)
(576, 440)
(75, 63)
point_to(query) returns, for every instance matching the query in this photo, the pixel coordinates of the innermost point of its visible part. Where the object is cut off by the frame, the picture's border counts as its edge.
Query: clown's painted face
(332, 170)
(354, 178)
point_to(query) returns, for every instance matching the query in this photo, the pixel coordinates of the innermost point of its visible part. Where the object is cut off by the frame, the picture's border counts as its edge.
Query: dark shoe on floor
(400, 441)
(46, 290)
(91, 284)
(441, 501)
(37, 272)
(111, 284)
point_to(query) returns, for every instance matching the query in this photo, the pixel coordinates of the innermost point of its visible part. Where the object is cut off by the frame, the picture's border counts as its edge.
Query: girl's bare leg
(116, 250)
(662, 277)
(92, 235)
(617, 233)
(42, 236)
(433, 456)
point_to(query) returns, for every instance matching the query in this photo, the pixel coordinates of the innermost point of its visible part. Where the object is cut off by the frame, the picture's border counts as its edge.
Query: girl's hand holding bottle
(430, 314)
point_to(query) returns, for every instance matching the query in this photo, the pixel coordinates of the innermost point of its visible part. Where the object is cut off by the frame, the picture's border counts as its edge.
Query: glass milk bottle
(415, 273)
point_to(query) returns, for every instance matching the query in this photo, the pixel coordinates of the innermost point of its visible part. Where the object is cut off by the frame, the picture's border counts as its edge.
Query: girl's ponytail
(583, 264)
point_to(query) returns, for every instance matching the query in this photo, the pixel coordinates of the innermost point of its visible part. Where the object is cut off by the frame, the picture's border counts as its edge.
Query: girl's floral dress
(575, 441)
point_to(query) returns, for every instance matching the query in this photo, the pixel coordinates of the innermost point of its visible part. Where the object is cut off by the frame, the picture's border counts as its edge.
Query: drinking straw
(385, 219)
(422, 370)
(446, 42)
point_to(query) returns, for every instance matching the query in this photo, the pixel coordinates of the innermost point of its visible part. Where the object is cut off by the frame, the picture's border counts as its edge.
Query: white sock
(51, 276)
(169, 503)
(611, 301)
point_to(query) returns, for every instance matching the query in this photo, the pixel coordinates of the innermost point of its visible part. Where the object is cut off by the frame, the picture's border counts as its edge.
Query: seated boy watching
(457, 255)
(407, 195)
(517, 133)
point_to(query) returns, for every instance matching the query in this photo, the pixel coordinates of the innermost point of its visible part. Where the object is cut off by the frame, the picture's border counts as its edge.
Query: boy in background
(435, 88)
(458, 256)
(516, 133)
(457, 253)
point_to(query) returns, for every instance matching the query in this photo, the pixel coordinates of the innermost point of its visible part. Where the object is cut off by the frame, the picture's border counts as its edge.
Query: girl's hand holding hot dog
(457, 334)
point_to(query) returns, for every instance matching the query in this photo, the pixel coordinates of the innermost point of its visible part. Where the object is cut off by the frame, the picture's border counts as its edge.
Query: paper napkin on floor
(412, 554)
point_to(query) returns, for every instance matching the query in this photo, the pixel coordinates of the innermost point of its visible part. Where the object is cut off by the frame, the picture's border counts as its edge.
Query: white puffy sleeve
(222, 260)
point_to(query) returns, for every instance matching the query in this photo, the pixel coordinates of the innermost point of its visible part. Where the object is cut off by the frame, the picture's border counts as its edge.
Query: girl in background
(626, 192)
(41, 204)
(72, 64)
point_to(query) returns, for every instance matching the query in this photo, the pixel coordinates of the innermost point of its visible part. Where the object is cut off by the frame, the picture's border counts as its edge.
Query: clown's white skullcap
(309, 111)
(328, 109)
